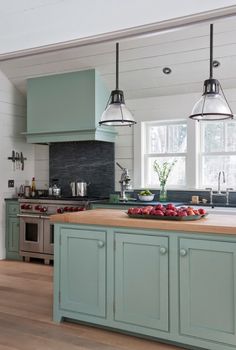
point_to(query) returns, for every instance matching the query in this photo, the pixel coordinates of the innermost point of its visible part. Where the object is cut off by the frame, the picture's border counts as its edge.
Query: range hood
(67, 107)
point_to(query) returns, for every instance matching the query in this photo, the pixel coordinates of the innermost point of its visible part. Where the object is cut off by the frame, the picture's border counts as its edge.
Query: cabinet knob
(101, 244)
(183, 252)
(163, 250)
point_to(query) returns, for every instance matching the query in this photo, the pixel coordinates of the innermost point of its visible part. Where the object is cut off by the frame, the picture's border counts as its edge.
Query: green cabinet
(67, 107)
(83, 271)
(12, 230)
(141, 280)
(207, 290)
(173, 286)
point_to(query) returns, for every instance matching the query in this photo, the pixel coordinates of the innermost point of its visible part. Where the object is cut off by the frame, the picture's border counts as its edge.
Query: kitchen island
(171, 280)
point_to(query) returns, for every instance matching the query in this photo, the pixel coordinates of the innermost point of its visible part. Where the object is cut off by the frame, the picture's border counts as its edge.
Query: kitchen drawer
(13, 208)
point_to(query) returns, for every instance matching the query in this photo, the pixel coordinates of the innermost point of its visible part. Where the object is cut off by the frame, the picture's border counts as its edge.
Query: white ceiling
(28, 24)
(142, 59)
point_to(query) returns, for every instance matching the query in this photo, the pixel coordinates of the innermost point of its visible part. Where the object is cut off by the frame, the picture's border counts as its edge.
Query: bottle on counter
(33, 188)
(50, 190)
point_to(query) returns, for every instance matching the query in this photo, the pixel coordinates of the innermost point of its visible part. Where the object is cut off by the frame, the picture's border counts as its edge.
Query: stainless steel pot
(73, 189)
(79, 189)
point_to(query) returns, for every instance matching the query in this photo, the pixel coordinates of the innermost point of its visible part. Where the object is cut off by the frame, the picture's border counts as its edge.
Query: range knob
(28, 206)
(65, 209)
(60, 210)
(37, 207)
(71, 209)
(43, 209)
(82, 208)
(23, 206)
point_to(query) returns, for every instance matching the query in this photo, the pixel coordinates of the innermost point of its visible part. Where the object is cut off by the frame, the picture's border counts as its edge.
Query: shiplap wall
(12, 123)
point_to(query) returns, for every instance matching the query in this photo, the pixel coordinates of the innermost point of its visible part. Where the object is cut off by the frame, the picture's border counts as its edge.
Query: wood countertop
(213, 223)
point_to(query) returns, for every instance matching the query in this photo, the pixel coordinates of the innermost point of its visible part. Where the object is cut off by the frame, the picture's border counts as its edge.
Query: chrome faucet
(124, 182)
(219, 193)
(219, 175)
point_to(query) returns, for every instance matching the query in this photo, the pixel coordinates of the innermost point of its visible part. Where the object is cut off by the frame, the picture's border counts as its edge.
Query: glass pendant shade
(214, 107)
(117, 115)
(116, 112)
(213, 104)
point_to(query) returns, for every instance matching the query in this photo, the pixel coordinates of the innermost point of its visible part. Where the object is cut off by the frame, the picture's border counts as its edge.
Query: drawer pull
(183, 252)
(101, 244)
(163, 250)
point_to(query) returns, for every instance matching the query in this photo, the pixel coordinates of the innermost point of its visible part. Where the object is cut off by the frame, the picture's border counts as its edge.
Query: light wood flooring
(26, 317)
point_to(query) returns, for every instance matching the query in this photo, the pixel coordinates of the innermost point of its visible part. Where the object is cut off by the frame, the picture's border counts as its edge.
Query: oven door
(48, 243)
(31, 233)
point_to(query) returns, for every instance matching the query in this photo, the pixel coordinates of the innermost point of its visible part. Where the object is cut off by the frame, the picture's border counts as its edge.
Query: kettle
(56, 191)
(79, 189)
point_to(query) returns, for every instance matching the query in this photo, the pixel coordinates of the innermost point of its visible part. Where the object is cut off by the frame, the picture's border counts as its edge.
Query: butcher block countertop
(213, 223)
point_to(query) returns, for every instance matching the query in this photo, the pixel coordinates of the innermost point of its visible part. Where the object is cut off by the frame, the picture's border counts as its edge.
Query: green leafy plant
(163, 170)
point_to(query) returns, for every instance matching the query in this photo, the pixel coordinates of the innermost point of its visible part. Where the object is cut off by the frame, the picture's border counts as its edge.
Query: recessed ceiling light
(216, 64)
(166, 70)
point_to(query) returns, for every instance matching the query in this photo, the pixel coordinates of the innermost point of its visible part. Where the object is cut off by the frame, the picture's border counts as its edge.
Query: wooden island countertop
(213, 223)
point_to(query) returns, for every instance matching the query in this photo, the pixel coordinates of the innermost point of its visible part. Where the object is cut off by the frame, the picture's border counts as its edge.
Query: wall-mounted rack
(18, 160)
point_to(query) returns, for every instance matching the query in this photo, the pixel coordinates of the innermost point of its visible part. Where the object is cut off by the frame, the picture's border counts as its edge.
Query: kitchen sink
(219, 210)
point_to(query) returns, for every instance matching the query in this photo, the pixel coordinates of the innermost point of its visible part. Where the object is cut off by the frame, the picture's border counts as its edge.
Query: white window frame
(192, 158)
(202, 153)
(147, 155)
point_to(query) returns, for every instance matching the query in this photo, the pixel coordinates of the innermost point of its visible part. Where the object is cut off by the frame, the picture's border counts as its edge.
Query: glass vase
(163, 193)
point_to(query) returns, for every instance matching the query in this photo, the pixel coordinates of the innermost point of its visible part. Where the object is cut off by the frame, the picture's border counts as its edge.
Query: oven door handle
(45, 217)
(28, 216)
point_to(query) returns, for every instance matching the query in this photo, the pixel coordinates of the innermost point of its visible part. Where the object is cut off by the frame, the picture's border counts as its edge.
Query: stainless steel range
(36, 231)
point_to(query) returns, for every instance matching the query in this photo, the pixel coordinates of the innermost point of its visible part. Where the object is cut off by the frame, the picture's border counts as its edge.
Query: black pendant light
(213, 104)
(116, 112)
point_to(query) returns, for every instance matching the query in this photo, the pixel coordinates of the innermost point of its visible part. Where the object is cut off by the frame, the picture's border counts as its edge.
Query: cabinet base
(27, 255)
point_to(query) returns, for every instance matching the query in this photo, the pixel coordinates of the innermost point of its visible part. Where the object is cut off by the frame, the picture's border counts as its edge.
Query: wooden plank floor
(26, 317)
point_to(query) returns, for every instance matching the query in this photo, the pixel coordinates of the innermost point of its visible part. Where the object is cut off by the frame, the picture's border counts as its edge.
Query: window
(211, 148)
(165, 142)
(217, 152)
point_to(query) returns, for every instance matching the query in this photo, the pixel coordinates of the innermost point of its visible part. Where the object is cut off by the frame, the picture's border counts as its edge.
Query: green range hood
(67, 107)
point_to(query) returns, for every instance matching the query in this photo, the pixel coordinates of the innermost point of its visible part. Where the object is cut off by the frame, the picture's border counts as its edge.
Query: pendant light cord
(211, 51)
(117, 66)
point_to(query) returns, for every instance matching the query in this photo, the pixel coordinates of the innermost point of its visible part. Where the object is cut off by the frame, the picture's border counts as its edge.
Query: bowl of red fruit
(167, 212)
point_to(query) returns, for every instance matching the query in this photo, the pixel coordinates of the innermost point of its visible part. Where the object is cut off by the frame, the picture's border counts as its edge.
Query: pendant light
(116, 112)
(213, 104)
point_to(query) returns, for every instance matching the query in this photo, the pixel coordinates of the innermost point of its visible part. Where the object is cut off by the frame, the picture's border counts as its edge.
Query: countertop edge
(213, 224)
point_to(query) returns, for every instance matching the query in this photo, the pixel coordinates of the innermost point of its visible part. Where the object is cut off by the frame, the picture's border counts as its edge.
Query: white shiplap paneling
(13, 122)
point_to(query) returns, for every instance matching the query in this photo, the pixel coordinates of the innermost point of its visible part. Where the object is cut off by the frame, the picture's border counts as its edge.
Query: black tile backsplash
(87, 161)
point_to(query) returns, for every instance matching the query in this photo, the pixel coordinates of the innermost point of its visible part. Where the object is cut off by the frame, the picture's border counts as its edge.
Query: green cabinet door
(13, 234)
(83, 271)
(141, 280)
(208, 290)
(12, 230)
